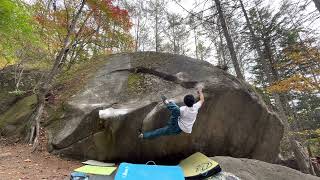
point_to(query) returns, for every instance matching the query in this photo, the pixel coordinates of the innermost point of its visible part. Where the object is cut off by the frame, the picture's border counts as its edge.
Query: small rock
(3, 155)
(27, 160)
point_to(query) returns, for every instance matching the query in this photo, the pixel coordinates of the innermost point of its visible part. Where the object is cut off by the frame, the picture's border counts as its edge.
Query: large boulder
(248, 169)
(233, 121)
(14, 120)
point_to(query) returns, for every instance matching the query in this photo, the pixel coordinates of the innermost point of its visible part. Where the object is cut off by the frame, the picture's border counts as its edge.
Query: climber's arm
(200, 95)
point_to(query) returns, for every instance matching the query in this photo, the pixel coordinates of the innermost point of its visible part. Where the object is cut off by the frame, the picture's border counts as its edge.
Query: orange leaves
(302, 53)
(300, 69)
(97, 20)
(40, 19)
(60, 18)
(296, 82)
(57, 19)
(113, 21)
(112, 12)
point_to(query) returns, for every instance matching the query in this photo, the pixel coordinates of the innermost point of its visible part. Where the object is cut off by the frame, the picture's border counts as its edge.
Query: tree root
(35, 127)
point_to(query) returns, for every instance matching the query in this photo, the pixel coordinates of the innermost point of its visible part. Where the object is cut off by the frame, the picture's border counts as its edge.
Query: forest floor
(17, 162)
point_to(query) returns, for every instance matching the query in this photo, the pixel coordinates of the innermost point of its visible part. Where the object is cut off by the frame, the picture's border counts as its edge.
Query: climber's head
(189, 100)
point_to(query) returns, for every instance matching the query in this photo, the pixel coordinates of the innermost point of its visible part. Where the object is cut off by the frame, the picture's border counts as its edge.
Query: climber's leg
(165, 131)
(175, 115)
(172, 127)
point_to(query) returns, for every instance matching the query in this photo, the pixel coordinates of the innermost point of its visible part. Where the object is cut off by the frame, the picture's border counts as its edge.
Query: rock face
(248, 169)
(233, 120)
(8, 84)
(12, 122)
(16, 106)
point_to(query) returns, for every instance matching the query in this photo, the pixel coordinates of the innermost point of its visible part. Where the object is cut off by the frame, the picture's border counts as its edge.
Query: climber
(181, 119)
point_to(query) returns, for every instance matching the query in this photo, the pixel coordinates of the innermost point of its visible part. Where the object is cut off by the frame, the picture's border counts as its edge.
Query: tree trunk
(317, 3)
(59, 60)
(223, 54)
(35, 126)
(19, 78)
(95, 49)
(18, 73)
(196, 42)
(156, 29)
(255, 41)
(229, 40)
(175, 49)
(217, 46)
(137, 35)
(305, 164)
(309, 150)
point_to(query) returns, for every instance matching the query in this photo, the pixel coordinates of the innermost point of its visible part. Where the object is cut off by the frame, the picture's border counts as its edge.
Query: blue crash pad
(127, 171)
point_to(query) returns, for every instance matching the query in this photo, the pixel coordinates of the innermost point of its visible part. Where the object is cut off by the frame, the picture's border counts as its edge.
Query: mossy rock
(54, 120)
(135, 83)
(14, 118)
(151, 59)
(9, 95)
(6, 101)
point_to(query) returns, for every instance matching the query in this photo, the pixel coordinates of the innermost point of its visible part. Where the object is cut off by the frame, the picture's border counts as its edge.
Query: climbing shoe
(164, 99)
(140, 136)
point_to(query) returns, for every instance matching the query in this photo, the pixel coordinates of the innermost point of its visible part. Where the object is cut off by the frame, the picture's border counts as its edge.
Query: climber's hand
(199, 90)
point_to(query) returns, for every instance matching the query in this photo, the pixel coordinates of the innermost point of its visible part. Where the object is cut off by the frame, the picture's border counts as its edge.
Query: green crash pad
(97, 170)
(198, 166)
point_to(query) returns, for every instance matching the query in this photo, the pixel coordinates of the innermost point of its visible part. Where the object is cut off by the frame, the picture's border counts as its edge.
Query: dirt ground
(17, 162)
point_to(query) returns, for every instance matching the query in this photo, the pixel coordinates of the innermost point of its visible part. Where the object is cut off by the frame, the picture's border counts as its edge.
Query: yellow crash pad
(98, 170)
(197, 164)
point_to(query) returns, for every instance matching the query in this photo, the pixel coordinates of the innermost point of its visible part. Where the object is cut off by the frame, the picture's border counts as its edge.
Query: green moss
(151, 59)
(4, 93)
(135, 83)
(5, 96)
(18, 111)
(134, 80)
(314, 145)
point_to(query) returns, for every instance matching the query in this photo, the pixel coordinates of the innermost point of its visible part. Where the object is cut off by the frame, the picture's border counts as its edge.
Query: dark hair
(189, 100)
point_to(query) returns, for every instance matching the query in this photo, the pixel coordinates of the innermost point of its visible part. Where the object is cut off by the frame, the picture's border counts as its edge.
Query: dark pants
(172, 127)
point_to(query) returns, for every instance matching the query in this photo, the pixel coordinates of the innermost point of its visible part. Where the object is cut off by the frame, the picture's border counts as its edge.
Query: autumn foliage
(103, 26)
(118, 15)
(301, 69)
